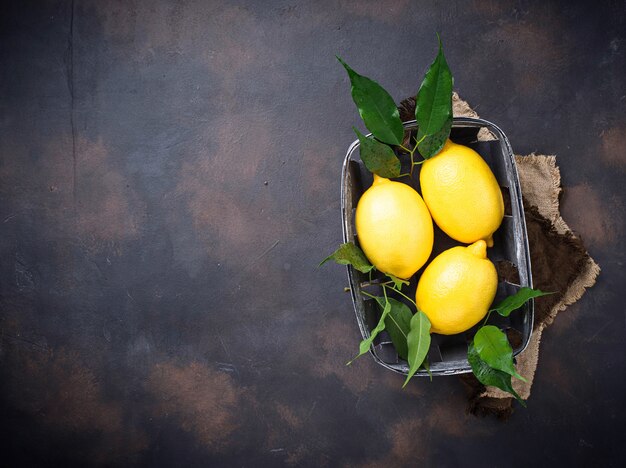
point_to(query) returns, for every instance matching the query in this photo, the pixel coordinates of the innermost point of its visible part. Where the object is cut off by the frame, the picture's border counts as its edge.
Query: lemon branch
(385, 286)
(365, 293)
(487, 318)
(412, 153)
(406, 297)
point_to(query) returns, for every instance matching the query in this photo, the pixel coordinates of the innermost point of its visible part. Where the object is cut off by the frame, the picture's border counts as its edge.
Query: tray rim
(517, 210)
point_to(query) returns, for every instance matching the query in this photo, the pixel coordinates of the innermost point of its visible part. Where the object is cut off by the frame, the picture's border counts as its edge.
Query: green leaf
(433, 107)
(426, 367)
(378, 157)
(350, 254)
(398, 325)
(489, 376)
(365, 345)
(377, 108)
(397, 282)
(517, 300)
(418, 341)
(432, 144)
(493, 348)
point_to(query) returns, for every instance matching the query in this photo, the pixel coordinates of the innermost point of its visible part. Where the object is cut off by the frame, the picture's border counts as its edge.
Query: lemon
(394, 227)
(457, 288)
(462, 194)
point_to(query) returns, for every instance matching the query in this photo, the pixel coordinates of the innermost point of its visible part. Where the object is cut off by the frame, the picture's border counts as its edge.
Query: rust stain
(233, 213)
(535, 51)
(409, 444)
(243, 45)
(599, 220)
(64, 393)
(68, 393)
(614, 147)
(79, 403)
(237, 51)
(445, 415)
(100, 204)
(49, 174)
(410, 437)
(412, 434)
(338, 342)
(221, 220)
(282, 436)
(288, 416)
(320, 173)
(409, 441)
(243, 141)
(107, 207)
(203, 401)
(230, 40)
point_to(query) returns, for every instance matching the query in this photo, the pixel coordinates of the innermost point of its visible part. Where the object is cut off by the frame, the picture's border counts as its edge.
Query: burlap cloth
(559, 260)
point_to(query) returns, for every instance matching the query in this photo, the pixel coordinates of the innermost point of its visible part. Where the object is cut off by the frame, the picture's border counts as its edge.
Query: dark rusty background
(161, 305)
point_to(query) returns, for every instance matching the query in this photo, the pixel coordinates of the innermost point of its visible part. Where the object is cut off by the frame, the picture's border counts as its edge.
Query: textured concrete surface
(160, 302)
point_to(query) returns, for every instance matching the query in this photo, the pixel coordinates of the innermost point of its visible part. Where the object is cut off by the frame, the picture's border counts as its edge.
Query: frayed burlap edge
(461, 108)
(540, 180)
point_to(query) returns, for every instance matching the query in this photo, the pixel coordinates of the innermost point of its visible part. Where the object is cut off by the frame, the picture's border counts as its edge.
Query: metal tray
(448, 354)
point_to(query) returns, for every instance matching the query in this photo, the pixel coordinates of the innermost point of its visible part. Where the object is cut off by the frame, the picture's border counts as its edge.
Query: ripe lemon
(457, 288)
(462, 194)
(394, 227)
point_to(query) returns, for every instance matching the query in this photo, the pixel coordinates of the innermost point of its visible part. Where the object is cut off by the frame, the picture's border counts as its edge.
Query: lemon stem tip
(378, 179)
(479, 248)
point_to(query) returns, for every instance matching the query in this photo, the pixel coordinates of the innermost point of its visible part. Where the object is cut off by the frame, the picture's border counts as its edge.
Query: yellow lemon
(394, 227)
(457, 288)
(462, 194)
